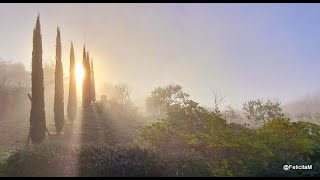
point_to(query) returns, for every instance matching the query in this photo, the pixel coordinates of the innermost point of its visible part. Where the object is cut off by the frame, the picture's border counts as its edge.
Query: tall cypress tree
(37, 115)
(93, 88)
(72, 98)
(85, 102)
(58, 94)
(89, 78)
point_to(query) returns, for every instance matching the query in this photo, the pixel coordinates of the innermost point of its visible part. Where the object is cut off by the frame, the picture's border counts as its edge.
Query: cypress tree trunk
(58, 94)
(72, 98)
(37, 115)
(93, 88)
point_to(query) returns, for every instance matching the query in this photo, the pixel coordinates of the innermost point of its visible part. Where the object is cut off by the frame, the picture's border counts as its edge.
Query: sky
(245, 51)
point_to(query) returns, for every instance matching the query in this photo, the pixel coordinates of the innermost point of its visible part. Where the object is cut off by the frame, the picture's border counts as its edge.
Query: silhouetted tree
(58, 95)
(37, 115)
(93, 88)
(72, 98)
(89, 77)
(85, 82)
(84, 78)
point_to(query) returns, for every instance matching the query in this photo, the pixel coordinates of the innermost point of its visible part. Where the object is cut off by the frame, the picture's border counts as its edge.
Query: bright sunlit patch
(79, 73)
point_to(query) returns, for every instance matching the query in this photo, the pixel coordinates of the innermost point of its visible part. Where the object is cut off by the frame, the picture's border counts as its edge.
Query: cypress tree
(93, 88)
(85, 101)
(89, 77)
(72, 98)
(37, 115)
(58, 94)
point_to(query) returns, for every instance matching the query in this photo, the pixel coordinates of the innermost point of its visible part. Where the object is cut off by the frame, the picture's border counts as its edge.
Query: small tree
(262, 111)
(58, 96)
(218, 100)
(122, 93)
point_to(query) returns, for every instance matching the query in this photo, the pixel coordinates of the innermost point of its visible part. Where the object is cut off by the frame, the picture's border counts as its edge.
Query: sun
(79, 73)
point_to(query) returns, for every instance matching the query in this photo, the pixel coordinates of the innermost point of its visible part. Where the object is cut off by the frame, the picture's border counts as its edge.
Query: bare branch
(218, 99)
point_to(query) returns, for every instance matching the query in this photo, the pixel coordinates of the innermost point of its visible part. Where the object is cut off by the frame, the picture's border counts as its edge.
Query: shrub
(103, 160)
(41, 160)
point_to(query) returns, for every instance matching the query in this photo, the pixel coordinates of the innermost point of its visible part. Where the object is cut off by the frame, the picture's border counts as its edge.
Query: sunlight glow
(79, 73)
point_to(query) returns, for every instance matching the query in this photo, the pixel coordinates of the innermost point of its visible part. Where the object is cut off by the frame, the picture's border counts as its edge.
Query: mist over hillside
(304, 108)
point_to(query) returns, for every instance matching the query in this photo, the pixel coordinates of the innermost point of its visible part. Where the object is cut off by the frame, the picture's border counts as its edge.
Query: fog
(170, 76)
(198, 46)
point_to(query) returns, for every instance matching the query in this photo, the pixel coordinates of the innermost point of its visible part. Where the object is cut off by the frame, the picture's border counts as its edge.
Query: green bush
(233, 150)
(183, 163)
(103, 160)
(41, 160)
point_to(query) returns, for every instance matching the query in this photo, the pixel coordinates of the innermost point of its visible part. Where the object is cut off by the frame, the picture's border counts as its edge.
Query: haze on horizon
(246, 51)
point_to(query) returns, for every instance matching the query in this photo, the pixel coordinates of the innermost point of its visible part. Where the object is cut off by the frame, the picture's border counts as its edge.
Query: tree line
(37, 116)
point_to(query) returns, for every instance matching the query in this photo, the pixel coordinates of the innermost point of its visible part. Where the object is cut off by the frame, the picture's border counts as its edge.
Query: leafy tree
(178, 129)
(37, 115)
(72, 98)
(262, 111)
(162, 98)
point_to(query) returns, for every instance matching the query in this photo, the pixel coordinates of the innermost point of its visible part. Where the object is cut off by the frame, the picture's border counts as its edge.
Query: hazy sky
(244, 50)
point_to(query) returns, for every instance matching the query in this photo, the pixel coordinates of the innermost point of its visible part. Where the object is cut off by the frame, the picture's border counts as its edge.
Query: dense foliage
(233, 149)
